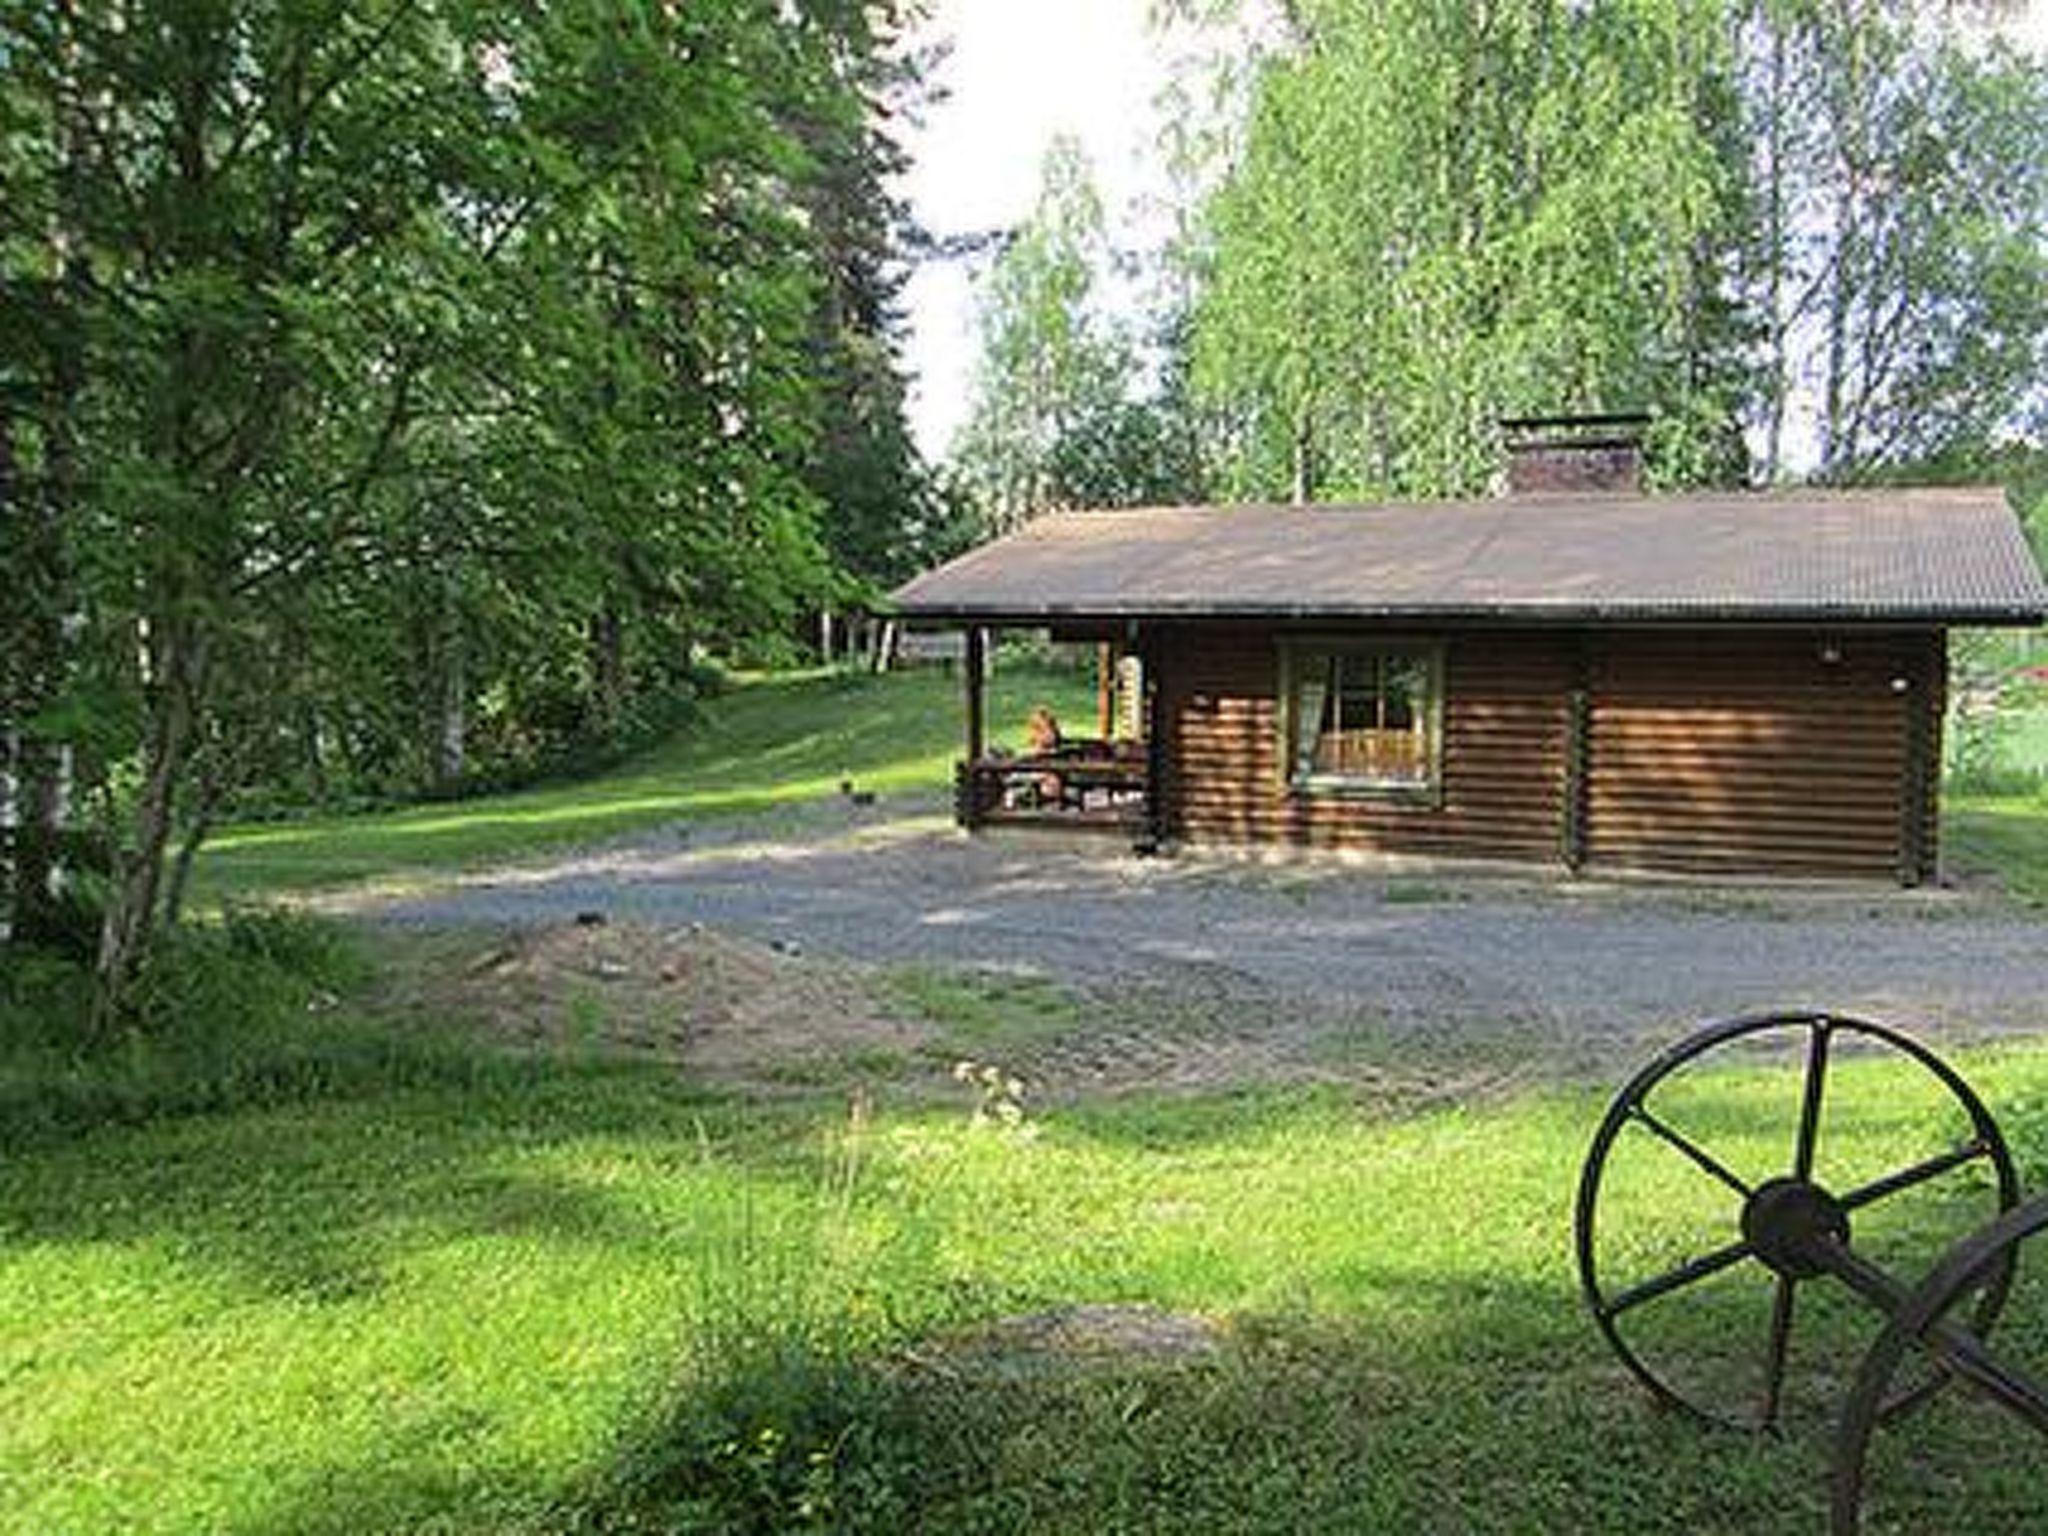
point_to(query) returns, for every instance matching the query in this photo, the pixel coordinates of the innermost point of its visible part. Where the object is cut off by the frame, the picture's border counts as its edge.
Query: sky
(1022, 71)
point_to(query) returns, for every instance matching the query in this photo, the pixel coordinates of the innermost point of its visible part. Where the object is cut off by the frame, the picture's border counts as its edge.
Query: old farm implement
(1936, 1325)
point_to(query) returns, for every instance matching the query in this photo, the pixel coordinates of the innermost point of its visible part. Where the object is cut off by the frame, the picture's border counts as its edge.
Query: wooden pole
(1150, 655)
(1578, 760)
(1105, 691)
(977, 665)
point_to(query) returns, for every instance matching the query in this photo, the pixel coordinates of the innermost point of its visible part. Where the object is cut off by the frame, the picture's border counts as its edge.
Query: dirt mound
(722, 1006)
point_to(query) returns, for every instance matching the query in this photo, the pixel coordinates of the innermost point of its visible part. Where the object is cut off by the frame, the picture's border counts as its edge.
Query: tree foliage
(1898, 263)
(883, 519)
(1441, 216)
(1058, 418)
(390, 383)
(1808, 237)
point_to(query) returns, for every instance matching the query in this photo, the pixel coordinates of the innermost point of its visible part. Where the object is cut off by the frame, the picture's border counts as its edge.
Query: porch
(1090, 783)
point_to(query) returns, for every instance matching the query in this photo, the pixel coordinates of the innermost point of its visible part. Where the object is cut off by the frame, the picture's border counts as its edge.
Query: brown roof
(1947, 556)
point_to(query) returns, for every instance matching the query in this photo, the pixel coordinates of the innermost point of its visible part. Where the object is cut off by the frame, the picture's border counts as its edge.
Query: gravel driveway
(1586, 962)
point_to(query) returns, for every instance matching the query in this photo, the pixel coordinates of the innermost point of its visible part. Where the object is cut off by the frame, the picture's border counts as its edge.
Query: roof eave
(1973, 617)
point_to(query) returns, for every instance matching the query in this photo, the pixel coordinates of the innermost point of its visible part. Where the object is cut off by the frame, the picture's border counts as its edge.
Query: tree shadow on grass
(1297, 1424)
(315, 1200)
(1499, 1411)
(395, 1496)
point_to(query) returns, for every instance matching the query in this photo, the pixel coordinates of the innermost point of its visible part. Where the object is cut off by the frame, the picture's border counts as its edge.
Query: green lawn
(593, 1299)
(2000, 827)
(2002, 835)
(2024, 748)
(2028, 749)
(769, 742)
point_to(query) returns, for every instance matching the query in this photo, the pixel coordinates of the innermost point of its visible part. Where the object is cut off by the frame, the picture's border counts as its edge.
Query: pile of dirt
(725, 1007)
(771, 1017)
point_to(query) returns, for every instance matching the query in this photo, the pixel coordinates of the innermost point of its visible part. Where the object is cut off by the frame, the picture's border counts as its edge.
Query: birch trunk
(133, 906)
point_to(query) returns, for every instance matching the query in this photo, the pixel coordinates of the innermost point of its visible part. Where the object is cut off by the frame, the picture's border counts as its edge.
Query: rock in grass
(590, 919)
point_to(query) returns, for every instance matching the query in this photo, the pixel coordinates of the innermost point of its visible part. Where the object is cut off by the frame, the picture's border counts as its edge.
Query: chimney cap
(1575, 453)
(1571, 420)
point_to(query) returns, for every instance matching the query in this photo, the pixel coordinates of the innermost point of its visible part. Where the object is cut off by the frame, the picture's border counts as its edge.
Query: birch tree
(1442, 216)
(1056, 419)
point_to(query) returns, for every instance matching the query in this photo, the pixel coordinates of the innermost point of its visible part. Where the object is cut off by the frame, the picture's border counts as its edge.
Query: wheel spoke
(1696, 1154)
(1779, 1348)
(1810, 1101)
(1963, 1354)
(1674, 1279)
(1919, 1173)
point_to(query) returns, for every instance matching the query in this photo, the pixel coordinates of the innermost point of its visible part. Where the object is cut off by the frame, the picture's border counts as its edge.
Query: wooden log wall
(1762, 753)
(1503, 754)
(1715, 751)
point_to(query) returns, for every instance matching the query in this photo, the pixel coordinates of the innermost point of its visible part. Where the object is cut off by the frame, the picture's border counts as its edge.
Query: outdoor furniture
(1080, 784)
(1800, 1231)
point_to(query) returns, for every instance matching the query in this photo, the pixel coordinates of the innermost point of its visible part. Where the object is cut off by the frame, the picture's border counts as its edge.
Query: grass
(2024, 746)
(2004, 835)
(1996, 821)
(601, 1301)
(987, 1015)
(770, 743)
(2028, 749)
(246, 1011)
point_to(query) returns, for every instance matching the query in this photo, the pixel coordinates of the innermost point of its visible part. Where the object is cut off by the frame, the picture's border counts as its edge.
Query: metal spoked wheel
(1791, 1224)
(1922, 1325)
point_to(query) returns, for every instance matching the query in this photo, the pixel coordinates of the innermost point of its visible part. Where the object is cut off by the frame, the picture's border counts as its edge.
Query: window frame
(1294, 654)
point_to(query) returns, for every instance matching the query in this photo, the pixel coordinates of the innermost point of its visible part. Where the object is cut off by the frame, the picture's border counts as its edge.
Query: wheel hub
(1793, 1224)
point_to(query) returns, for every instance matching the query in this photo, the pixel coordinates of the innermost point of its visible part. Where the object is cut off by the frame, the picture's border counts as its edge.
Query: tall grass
(257, 1008)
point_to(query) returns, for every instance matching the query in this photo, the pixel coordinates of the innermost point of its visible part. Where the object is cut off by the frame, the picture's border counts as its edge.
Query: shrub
(262, 1007)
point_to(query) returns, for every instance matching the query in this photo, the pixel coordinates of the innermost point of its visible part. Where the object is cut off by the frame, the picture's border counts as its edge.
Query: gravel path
(1584, 962)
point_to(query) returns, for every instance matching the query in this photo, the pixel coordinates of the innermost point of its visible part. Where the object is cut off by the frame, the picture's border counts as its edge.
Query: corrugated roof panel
(1953, 556)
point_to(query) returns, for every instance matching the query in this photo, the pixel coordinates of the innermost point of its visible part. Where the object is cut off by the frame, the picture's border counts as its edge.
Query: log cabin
(1573, 673)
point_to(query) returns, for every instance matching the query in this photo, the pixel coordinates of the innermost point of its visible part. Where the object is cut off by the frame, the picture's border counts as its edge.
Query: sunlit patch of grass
(987, 1015)
(770, 742)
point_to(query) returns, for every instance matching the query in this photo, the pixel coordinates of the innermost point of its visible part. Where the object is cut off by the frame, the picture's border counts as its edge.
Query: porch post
(1151, 657)
(966, 787)
(977, 667)
(1105, 691)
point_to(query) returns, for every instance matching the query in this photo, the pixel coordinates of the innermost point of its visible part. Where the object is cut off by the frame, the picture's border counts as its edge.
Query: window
(1362, 718)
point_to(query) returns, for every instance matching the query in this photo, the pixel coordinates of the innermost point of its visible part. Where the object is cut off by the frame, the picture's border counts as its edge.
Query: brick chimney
(1568, 455)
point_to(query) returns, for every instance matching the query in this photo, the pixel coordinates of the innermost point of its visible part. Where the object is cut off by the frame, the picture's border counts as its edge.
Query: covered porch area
(1097, 776)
